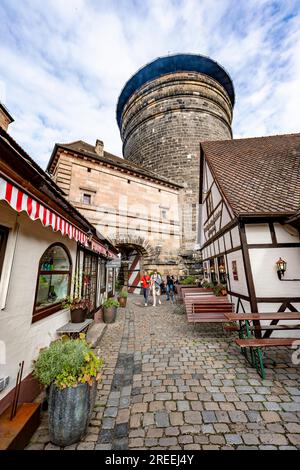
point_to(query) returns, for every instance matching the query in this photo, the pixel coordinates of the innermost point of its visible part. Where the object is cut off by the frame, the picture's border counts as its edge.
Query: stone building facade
(5, 118)
(137, 210)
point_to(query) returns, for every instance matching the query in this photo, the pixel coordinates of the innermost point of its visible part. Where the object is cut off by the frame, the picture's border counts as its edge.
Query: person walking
(155, 287)
(170, 287)
(145, 282)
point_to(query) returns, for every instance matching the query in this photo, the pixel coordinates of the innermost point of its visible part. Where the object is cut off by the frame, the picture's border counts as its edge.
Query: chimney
(99, 148)
(5, 118)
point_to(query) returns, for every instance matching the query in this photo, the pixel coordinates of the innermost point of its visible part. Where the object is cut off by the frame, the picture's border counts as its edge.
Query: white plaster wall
(286, 234)
(245, 303)
(225, 217)
(222, 244)
(258, 233)
(265, 277)
(213, 252)
(23, 339)
(209, 177)
(216, 196)
(227, 241)
(273, 307)
(239, 286)
(235, 234)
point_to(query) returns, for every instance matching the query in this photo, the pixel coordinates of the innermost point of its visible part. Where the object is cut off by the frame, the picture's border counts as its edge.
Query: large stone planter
(69, 413)
(109, 314)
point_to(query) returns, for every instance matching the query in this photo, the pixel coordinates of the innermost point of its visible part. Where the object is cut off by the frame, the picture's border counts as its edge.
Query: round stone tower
(164, 111)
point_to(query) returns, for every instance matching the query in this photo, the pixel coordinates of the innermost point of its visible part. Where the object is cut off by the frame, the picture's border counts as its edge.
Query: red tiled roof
(258, 175)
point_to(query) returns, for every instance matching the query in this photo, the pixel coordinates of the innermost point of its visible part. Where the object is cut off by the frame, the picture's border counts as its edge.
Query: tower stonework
(164, 111)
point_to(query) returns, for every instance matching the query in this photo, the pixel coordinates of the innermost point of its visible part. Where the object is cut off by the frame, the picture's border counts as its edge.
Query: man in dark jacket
(170, 287)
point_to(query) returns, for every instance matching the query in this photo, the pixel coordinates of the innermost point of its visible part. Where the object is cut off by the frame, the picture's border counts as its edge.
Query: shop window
(54, 278)
(110, 280)
(3, 241)
(87, 199)
(89, 279)
(102, 275)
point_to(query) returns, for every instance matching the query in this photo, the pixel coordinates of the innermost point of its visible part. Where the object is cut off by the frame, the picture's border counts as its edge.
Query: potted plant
(189, 280)
(208, 285)
(220, 289)
(69, 369)
(122, 298)
(78, 308)
(110, 310)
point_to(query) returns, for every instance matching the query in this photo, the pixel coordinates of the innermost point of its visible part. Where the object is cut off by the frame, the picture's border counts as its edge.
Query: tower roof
(174, 63)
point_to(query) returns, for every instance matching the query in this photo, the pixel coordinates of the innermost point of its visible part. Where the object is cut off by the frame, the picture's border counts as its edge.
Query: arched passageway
(133, 256)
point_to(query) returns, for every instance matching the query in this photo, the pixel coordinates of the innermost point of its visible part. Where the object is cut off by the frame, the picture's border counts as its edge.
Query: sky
(63, 63)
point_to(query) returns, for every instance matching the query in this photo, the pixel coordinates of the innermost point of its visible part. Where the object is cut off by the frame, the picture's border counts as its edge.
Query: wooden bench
(208, 312)
(263, 327)
(182, 290)
(74, 329)
(249, 343)
(205, 299)
(255, 345)
(264, 343)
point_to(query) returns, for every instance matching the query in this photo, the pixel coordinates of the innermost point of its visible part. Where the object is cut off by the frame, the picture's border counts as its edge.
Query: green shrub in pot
(122, 297)
(110, 310)
(70, 370)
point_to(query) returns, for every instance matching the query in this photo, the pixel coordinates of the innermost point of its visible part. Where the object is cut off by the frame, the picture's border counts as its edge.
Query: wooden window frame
(56, 307)
(4, 237)
(209, 204)
(89, 196)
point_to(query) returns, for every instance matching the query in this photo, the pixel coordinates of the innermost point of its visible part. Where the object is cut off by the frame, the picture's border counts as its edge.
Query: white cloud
(64, 63)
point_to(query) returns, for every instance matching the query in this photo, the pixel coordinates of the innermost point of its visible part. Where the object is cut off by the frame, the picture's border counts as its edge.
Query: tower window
(164, 214)
(87, 199)
(89, 170)
(128, 181)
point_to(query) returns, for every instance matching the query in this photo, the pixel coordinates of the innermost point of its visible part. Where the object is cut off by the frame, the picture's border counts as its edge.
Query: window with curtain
(54, 280)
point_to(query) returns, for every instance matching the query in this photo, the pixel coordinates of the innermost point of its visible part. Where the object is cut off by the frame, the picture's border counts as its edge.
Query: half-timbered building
(249, 220)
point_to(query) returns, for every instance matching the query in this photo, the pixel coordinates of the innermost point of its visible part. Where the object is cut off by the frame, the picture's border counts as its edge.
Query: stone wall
(162, 126)
(126, 208)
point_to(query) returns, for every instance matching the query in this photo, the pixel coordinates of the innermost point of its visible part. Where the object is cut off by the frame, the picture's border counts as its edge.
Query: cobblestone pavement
(170, 385)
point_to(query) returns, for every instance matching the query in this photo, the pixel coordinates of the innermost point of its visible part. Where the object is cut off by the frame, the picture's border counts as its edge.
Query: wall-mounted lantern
(281, 267)
(90, 236)
(221, 269)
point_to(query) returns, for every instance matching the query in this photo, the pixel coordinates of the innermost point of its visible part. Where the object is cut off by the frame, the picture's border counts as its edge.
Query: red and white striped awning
(20, 201)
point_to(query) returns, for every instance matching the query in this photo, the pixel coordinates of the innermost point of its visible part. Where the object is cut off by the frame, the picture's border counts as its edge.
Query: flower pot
(78, 315)
(109, 314)
(69, 412)
(122, 301)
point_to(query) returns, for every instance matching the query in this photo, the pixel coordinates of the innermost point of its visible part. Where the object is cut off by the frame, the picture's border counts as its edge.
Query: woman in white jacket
(155, 287)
